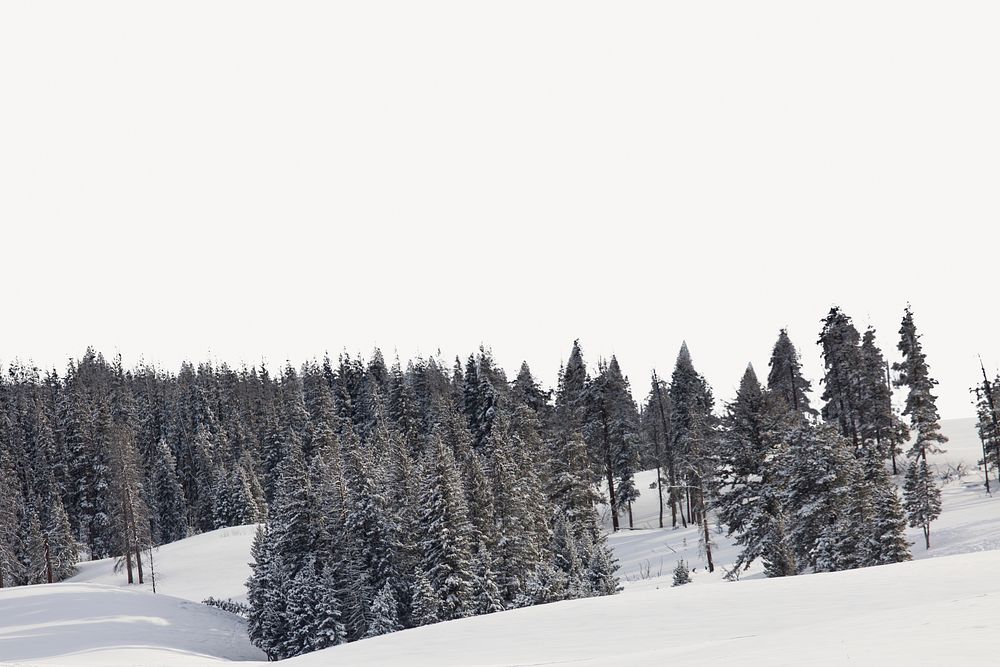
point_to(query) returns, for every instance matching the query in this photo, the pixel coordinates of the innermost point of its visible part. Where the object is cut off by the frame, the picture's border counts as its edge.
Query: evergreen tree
(681, 574)
(62, 548)
(385, 613)
(922, 496)
(425, 601)
(445, 534)
(693, 436)
(785, 381)
(840, 342)
(612, 431)
(816, 471)
(313, 613)
(169, 508)
(750, 505)
(266, 623)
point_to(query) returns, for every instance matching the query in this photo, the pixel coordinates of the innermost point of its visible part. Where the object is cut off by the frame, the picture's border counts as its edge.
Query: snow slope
(970, 520)
(91, 624)
(931, 612)
(211, 564)
(935, 610)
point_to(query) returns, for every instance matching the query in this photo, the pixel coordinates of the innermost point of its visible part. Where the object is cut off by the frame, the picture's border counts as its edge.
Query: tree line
(394, 496)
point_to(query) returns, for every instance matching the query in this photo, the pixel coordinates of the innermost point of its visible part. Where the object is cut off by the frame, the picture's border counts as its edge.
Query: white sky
(243, 179)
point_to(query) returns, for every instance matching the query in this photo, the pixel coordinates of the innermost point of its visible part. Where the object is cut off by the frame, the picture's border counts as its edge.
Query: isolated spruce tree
(681, 574)
(922, 496)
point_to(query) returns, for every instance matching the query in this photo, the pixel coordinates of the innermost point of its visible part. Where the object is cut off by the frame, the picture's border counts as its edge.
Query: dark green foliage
(681, 574)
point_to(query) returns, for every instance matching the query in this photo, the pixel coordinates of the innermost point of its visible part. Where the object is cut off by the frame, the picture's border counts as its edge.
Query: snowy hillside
(970, 520)
(90, 624)
(860, 616)
(870, 616)
(211, 564)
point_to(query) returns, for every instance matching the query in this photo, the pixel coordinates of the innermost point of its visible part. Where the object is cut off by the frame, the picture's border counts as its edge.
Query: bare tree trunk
(659, 475)
(609, 472)
(704, 523)
(888, 384)
(986, 456)
(670, 457)
(48, 561)
(138, 559)
(630, 524)
(128, 563)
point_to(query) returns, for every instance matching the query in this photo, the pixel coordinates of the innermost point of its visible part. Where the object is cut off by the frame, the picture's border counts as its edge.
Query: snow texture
(934, 610)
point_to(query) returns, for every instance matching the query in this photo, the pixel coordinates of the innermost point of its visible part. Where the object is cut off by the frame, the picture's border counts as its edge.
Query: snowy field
(939, 609)
(211, 564)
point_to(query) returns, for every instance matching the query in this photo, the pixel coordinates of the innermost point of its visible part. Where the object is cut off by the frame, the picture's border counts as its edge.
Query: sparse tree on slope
(922, 497)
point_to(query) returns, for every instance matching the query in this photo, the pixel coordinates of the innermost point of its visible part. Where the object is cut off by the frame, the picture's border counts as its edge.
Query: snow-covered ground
(970, 521)
(93, 624)
(212, 564)
(938, 609)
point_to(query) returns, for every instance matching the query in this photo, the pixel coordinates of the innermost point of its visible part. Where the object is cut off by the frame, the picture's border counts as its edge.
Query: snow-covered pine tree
(880, 431)
(601, 569)
(612, 431)
(922, 496)
(570, 484)
(169, 507)
(371, 533)
(694, 438)
(312, 613)
(233, 500)
(267, 622)
(816, 471)
(445, 533)
(785, 380)
(840, 341)
(32, 542)
(385, 613)
(10, 501)
(63, 552)
(425, 604)
(681, 574)
(749, 502)
(487, 597)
